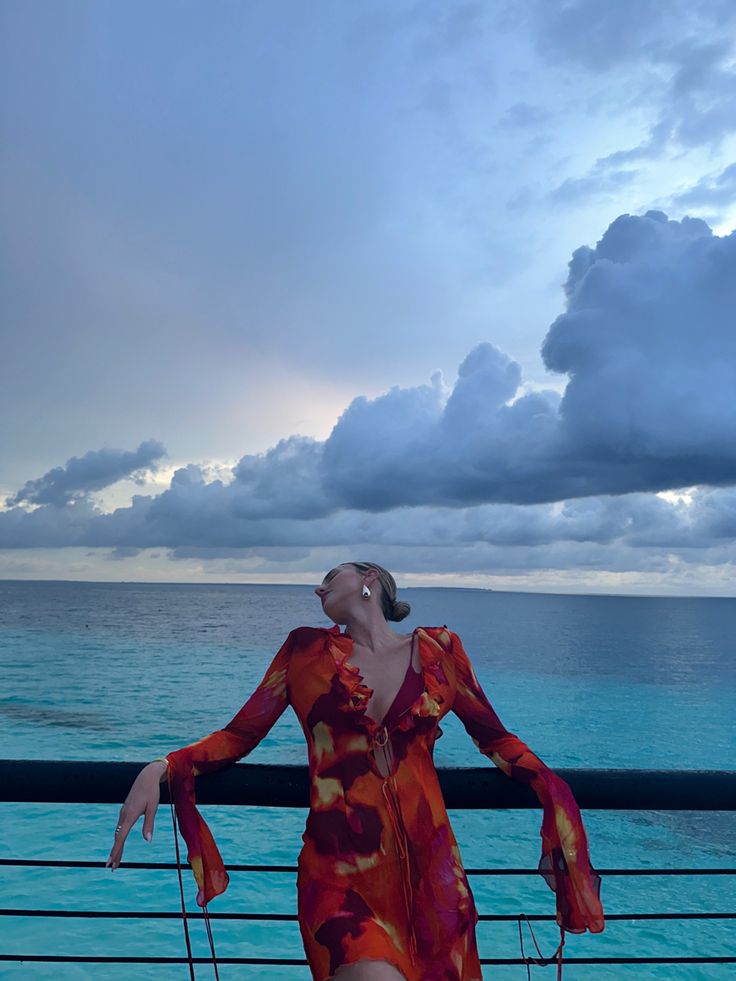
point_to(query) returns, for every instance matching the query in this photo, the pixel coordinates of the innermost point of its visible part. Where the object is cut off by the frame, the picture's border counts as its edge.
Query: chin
(335, 617)
(327, 613)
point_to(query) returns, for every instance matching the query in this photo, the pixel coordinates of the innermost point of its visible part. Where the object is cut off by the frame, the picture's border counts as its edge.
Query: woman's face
(340, 591)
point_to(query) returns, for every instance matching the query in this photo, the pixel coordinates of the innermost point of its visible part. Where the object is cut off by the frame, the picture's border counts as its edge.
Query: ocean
(126, 671)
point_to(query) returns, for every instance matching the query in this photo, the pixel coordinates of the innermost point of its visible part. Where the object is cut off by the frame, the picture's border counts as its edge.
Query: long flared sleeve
(565, 862)
(213, 752)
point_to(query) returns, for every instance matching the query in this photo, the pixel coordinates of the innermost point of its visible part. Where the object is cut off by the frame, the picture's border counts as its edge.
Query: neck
(369, 628)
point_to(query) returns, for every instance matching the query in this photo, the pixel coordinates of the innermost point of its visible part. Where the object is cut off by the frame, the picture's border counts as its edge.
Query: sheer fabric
(380, 874)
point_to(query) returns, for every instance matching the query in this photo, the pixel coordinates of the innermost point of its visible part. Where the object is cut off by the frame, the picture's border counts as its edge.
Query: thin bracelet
(160, 759)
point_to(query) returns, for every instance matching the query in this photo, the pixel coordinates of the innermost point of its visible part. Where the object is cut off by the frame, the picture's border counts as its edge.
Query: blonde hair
(393, 609)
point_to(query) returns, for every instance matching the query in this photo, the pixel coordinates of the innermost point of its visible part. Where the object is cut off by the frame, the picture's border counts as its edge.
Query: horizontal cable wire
(301, 962)
(488, 917)
(53, 863)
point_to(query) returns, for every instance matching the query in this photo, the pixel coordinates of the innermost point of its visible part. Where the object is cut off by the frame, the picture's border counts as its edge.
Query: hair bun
(399, 610)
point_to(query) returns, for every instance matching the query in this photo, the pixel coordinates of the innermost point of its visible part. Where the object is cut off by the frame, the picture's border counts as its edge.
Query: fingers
(148, 820)
(125, 823)
(135, 805)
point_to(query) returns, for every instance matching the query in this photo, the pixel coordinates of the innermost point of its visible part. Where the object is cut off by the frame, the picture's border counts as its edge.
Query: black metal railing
(54, 781)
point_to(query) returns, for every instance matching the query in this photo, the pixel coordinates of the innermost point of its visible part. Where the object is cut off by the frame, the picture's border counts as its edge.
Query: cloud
(648, 345)
(650, 149)
(599, 181)
(94, 471)
(286, 480)
(123, 552)
(713, 189)
(701, 100)
(598, 36)
(626, 533)
(639, 520)
(675, 62)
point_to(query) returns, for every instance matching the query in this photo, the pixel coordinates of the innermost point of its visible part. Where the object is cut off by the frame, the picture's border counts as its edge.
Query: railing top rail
(263, 784)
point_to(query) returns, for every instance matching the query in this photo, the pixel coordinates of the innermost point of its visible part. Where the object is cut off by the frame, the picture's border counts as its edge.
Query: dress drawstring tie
(388, 789)
(205, 912)
(540, 961)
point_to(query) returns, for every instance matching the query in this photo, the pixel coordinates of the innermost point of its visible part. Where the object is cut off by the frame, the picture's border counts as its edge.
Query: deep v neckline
(348, 663)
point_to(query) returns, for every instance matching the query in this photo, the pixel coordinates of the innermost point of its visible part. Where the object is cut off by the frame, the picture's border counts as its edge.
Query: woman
(382, 894)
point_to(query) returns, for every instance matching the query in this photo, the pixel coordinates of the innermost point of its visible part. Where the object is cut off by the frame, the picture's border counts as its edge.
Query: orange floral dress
(379, 875)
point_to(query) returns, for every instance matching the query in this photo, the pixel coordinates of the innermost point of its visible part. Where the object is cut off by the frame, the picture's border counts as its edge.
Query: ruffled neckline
(357, 694)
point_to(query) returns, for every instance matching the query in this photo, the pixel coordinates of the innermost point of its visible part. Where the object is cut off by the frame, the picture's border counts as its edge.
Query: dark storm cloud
(210, 526)
(649, 345)
(49, 526)
(287, 480)
(94, 471)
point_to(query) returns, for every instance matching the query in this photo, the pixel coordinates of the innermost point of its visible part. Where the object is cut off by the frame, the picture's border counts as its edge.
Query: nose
(319, 590)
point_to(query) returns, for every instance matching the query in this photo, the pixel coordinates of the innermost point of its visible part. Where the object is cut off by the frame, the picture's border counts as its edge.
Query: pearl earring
(366, 592)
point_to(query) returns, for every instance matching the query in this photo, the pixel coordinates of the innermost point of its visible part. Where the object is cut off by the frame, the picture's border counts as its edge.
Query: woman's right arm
(221, 748)
(216, 750)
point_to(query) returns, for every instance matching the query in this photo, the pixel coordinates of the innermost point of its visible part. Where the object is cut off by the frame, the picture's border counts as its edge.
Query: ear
(370, 577)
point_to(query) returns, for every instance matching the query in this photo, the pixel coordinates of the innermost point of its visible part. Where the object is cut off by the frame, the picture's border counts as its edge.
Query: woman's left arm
(565, 863)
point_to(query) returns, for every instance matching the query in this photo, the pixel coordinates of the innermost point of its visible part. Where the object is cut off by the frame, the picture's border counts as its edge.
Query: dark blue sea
(103, 671)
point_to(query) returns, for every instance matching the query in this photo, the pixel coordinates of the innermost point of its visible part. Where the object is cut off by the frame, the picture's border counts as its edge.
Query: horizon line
(484, 589)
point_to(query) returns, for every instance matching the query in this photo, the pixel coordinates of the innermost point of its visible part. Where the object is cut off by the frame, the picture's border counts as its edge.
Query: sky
(448, 286)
